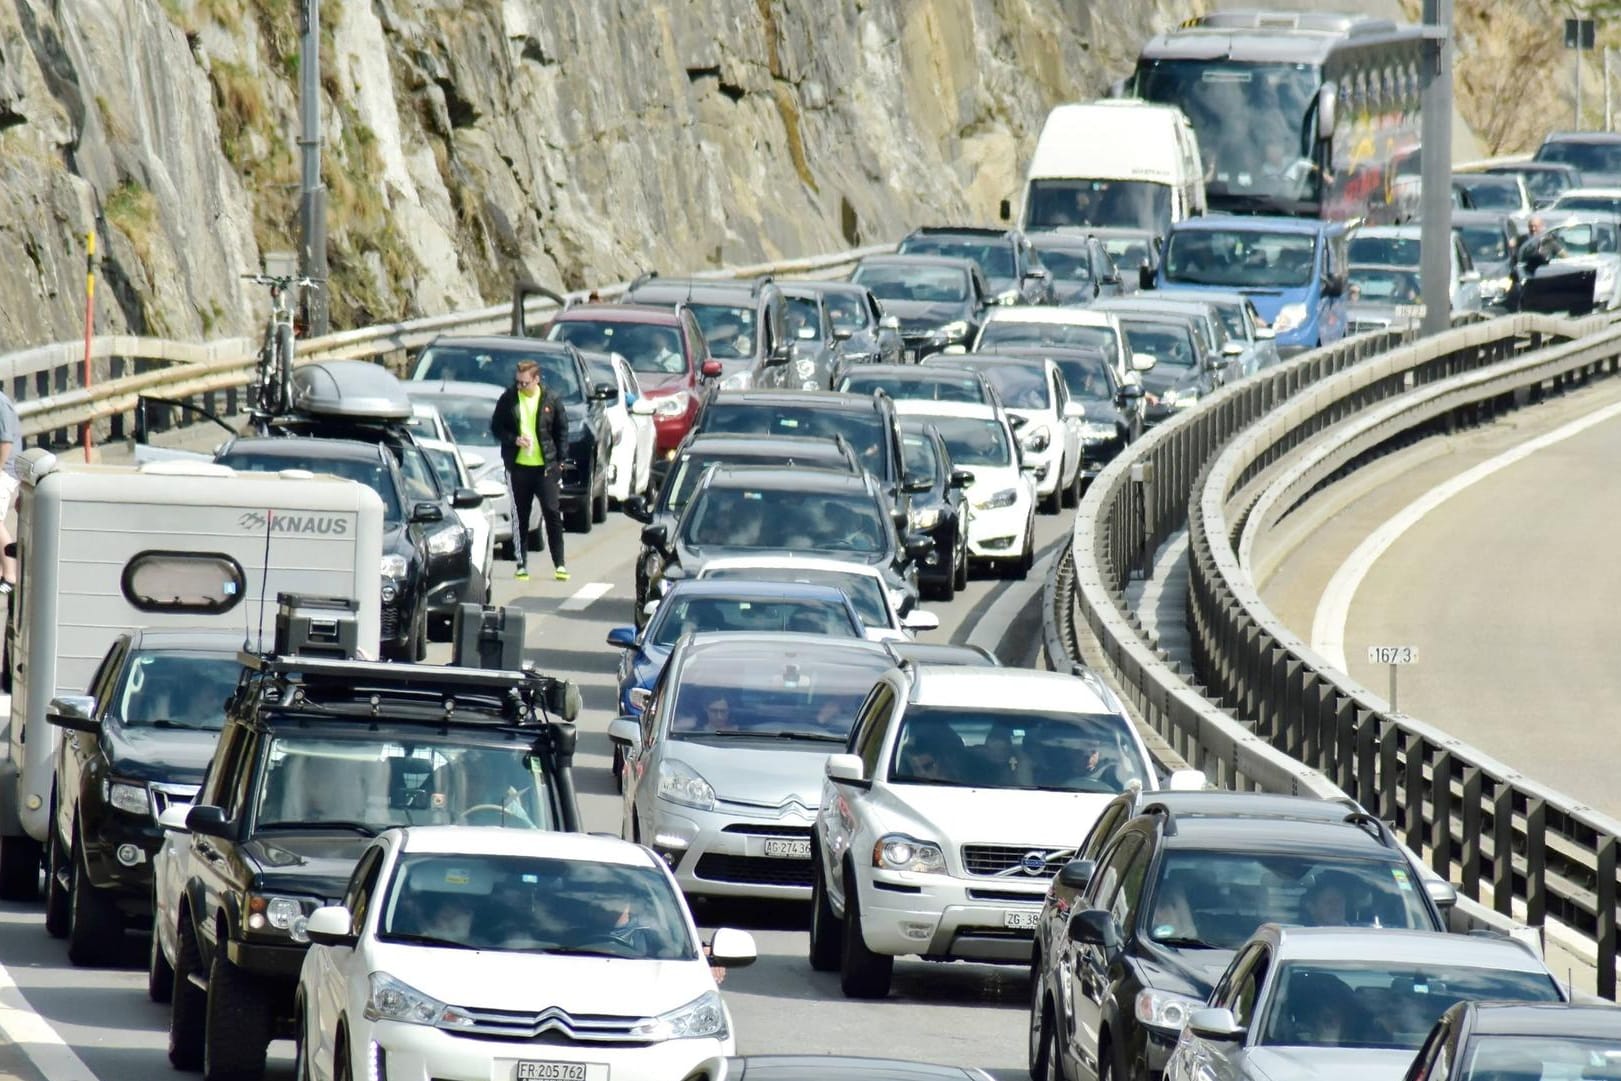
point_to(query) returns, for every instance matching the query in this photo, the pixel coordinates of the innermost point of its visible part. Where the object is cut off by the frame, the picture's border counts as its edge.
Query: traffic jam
(318, 836)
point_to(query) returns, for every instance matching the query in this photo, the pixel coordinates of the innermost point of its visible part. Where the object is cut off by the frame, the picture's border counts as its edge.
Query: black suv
(1010, 265)
(1079, 267)
(135, 742)
(937, 301)
(1127, 945)
(940, 508)
(318, 755)
(744, 323)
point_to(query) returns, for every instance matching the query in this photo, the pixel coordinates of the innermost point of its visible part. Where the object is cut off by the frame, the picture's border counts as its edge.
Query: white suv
(961, 798)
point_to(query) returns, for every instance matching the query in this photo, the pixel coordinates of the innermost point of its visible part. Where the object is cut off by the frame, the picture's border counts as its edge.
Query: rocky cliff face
(469, 140)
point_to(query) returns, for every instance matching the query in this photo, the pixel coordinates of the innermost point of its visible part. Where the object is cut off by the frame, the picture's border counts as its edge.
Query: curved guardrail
(1268, 713)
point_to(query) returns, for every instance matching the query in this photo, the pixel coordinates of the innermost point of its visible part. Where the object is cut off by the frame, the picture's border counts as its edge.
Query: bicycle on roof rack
(270, 392)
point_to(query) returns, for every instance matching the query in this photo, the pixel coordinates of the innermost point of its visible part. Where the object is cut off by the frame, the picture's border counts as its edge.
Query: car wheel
(1040, 1021)
(619, 767)
(579, 520)
(599, 505)
(301, 1054)
(826, 930)
(95, 928)
(188, 1007)
(1072, 494)
(946, 589)
(1051, 504)
(239, 1024)
(20, 858)
(419, 641)
(960, 575)
(862, 973)
(341, 1069)
(159, 973)
(56, 888)
(1053, 1060)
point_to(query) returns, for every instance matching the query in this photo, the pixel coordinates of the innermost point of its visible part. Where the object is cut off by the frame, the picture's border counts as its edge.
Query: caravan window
(205, 582)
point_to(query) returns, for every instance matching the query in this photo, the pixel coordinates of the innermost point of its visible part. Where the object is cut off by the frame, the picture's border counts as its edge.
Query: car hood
(158, 754)
(1305, 1063)
(1183, 971)
(525, 982)
(692, 557)
(743, 771)
(960, 815)
(1068, 290)
(313, 864)
(1163, 377)
(397, 541)
(663, 382)
(920, 315)
(1101, 412)
(989, 479)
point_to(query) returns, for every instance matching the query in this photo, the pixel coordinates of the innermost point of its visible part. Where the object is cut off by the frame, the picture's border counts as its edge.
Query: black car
(1543, 179)
(938, 301)
(1078, 266)
(698, 453)
(1111, 412)
(866, 334)
(1595, 154)
(135, 742)
(1521, 1041)
(317, 756)
(494, 359)
(744, 323)
(940, 507)
(1135, 253)
(1118, 964)
(744, 510)
(1491, 239)
(935, 382)
(817, 349)
(1182, 374)
(1004, 256)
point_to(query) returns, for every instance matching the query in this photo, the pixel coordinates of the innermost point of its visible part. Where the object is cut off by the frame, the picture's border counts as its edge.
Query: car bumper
(999, 533)
(443, 597)
(940, 563)
(1049, 464)
(118, 858)
(1099, 453)
(949, 918)
(723, 853)
(421, 1053)
(397, 618)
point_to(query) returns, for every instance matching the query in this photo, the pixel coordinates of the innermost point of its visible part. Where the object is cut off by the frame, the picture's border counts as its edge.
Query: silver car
(465, 410)
(723, 770)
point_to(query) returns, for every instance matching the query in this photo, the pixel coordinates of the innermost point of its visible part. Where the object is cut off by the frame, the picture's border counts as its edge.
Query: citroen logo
(1033, 862)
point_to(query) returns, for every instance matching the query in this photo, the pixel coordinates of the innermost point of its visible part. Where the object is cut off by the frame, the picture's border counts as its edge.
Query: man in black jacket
(532, 428)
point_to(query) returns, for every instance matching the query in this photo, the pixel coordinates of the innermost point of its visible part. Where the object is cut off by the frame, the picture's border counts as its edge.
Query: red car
(665, 348)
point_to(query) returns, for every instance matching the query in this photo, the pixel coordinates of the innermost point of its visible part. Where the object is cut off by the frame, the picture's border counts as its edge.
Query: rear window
(373, 474)
(862, 428)
(650, 348)
(558, 371)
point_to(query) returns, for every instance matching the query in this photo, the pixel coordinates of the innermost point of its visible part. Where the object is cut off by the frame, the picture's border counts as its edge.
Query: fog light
(917, 931)
(932, 559)
(34, 803)
(998, 543)
(388, 594)
(669, 840)
(129, 855)
(256, 921)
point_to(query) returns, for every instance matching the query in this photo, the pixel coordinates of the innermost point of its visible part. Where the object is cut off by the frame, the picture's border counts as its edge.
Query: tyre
(619, 767)
(599, 506)
(862, 973)
(826, 929)
(188, 1006)
(418, 651)
(960, 576)
(239, 1024)
(56, 889)
(19, 867)
(1050, 504)
(1054, 1061)
(159, 973)
(1072, 494)
(95, 927)
(341, 1070)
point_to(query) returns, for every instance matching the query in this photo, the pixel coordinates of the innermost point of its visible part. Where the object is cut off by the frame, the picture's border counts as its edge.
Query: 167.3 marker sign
(1392, 654)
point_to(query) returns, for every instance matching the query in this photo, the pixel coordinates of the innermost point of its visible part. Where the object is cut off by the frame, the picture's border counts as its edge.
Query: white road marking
(993, 626)
(583, 596)
(1334, 610)
(49, 1053)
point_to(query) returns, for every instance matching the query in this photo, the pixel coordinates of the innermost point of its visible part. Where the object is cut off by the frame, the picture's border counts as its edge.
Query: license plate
(561, 1071)
(788, 848)
(1020, 920)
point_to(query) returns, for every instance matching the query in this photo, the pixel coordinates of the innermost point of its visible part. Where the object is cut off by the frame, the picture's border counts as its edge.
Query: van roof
(1121, 139)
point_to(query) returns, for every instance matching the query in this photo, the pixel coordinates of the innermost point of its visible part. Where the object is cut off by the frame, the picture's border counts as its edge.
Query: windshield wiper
(577, 951)
(324, 824)
(165, 722)
(1186, 943)
(427, 940)
(819, 737)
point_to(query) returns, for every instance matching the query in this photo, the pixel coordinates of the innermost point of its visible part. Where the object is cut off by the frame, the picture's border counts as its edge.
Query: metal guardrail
(1274, 717)
(47, 382)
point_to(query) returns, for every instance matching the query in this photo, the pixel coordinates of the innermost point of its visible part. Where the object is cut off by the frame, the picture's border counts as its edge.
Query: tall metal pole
(312, 193)
(1578, 66)
(1435, 208)
(1609, 114)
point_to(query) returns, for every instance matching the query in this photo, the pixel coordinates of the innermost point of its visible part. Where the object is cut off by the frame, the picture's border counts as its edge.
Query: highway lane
(963, 1014)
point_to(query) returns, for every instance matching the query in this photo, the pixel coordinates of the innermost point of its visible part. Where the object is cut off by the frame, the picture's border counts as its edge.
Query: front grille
(1004, 895)
(552, 1026)
(1004, 860)
(166, 795)
(750, 830)
(390, 623)
(753, 870)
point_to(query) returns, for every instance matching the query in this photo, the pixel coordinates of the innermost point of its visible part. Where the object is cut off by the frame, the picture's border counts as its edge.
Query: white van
(182, 544)
(1120, 163)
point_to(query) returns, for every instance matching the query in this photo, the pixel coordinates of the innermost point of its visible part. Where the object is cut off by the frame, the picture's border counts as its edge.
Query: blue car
(1294, 269)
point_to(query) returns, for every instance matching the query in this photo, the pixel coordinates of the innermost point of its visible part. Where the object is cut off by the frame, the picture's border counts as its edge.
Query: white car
(453, 472)
(1002, 529)
(462, 414)
(630, 418)
(471, 953)
(1060, 325)
(168, 880)
(863, 583)
(964, 796)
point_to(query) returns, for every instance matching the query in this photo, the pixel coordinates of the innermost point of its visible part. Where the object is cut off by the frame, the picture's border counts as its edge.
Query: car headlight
(1037, 439)
(738, 381)
(702, 1018)
(1289, 317)
(805, 368)
(924, 517)
(276, 913)
(1008, 296)
(680, 783)
(1164, 1009)
(395, 1000)
(448, 541)
(1005, 498)
(1186, 398)
(1092, 432)
(898, 852)
(1495, 287)
(672, 405)
(394, 566)
(953, 332)
(859, 358)
(126, 796)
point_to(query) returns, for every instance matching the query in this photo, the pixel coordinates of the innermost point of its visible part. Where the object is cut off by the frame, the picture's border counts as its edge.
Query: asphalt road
(958, 1013)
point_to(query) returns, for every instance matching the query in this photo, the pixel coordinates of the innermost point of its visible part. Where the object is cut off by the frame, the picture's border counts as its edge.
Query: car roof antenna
(264, 580)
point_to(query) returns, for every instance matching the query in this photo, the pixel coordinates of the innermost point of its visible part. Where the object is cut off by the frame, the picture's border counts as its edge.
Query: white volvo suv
(961, 797)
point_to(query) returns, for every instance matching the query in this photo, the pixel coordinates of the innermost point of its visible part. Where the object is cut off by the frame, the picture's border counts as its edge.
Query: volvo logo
(332, 525)
(1033, 862)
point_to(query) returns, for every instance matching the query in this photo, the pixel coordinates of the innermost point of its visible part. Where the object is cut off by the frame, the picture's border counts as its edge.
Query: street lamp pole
(1435, 208)
(312, 193)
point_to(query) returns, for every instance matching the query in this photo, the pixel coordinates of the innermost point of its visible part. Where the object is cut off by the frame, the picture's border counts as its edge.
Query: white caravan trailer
(102, 549)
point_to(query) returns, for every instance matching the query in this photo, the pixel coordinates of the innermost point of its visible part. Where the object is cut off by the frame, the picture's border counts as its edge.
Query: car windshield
(1067, 264)
(790, 518)
(1231, 315)
(917, 387)
(1248, 258)
(1016, 748)
(930, 284)
(728, 330)
(866, 591)
(1586, 157)
(1485, 243)
(468, 419)
(1218, 899)
(995, 257)
(445, 467)
(921, 461)
(498, 368)
(689, 470)
(847, 311)
(1127, 251)
(1541, 1058)
(1127, 204)
(649, 347)
(1022, 386)
(1168, 343)
(690, 615)
(808, 694)
(1391, 1004)
(974, 441)
(862, 428)
(1608, 204)
(176, 689)
(1545, 184)
(533, 904)
(1388, 284)
(1000, 332)
(1492, 194)
(370, 472)
(804, 312)
(1389, 250)
(370, 784)
(1087, 378)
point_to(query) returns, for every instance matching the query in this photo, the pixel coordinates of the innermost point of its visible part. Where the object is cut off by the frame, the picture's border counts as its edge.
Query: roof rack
(641, 280)
(1373, 825)
(969, 230)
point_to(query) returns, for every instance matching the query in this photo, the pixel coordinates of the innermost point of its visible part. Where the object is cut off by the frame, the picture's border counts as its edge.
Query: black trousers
(529, 483)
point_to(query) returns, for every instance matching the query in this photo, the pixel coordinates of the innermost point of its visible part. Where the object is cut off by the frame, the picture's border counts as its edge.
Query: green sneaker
(522, 573)
(561, 574)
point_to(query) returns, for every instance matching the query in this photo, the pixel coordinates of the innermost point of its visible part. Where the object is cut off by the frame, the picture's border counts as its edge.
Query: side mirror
(1130, 392)
(425, 512)
(644, 407)
(1187, 780)
(1109, 279)
(710, 369)
(1075, 874)
(1215, 362)
(208, 820)
(1265, 334)
(1469, 277)
(731, 948)
(1037, 274)
(1142, 362)
(639, 698)
(1017, 420)
(919, 546)
(1442, 892)
(1217, 1025)
(920, 620)
(1095, 927)
(490, 488)
(843, 334)
(472, 461)
(806, 333)
(173, 818)
(622, 637)
(1328, 99)
(1004, 210)
(918, 484)
(1074, 410)
(75, 711)
(466, 498)
(847, 769)
(656, 536)
(602, 392)
(627, 732)
(329, 926)
(1333, 286)
(636, 507)
(1233, 349)
(890, 322)
(962, 478)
